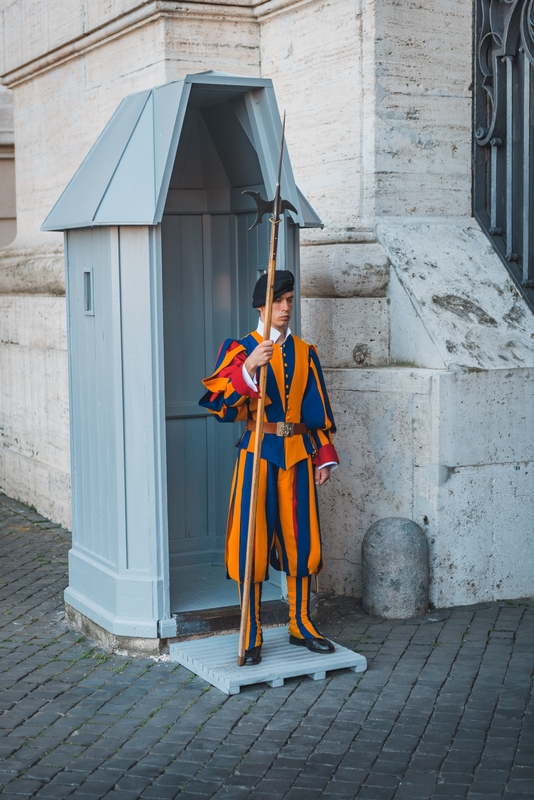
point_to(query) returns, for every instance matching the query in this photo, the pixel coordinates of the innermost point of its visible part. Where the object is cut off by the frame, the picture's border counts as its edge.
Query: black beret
(283, 282)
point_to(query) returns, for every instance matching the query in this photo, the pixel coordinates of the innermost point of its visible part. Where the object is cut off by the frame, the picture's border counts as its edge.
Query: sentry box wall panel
(160, 269)
(117, 563)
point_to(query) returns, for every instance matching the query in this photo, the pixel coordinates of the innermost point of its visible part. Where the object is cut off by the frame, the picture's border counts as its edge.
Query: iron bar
(494, 230)
(525, 256)
(503, 86)
(509, 159)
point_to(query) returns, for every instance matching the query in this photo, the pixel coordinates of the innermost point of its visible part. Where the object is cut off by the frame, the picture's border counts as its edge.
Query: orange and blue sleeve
(318, 413)
(227, 392)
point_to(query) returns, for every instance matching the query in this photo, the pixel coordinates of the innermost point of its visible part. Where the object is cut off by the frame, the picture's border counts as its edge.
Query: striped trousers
(300, 624)
(287, 537)
(287, 532)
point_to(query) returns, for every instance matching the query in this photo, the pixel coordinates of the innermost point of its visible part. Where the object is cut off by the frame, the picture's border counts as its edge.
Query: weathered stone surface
(386, 423)
(422, 115)
(8, 222)
(487, 417)
(459, 289)
(395, 571)
(6, 117)
(125, 645)
(480, 530)
(455, 453)
(34, 414)
(313, 53)
(349, 332)
(344, 270)
(410, 342)
(475, 488)
(33, 270)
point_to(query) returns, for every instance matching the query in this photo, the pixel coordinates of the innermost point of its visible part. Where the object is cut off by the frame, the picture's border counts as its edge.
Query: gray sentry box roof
(125, 178)
(160, 266)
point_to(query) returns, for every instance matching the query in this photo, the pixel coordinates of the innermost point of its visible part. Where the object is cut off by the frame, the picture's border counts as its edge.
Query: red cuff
(238, 382)
(326, 453)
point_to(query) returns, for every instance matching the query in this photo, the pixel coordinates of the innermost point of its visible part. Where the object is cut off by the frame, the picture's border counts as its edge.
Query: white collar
(275, 335)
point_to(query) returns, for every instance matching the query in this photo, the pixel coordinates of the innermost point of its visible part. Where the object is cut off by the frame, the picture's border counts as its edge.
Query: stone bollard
(395, 569)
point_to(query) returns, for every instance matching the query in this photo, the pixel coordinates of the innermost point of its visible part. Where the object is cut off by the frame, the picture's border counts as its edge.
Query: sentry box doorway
(160, 267)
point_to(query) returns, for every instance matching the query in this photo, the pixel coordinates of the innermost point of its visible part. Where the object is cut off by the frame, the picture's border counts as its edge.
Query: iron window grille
(503, 136)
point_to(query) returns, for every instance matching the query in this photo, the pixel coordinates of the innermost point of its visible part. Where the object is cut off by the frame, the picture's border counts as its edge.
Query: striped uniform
(287, 522)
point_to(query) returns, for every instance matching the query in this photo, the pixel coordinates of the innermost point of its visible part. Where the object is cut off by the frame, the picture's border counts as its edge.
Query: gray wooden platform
(215, 660)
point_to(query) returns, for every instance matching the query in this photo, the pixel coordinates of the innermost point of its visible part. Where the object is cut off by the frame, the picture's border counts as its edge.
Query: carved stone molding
(344, 270)
(145, 14)
(349, 234)
(38, 269)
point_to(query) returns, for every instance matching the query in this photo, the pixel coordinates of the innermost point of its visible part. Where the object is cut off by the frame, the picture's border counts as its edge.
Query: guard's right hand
(261, 355)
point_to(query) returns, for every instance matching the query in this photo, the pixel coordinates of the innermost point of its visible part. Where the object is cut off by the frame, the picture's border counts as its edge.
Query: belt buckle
(284, 428)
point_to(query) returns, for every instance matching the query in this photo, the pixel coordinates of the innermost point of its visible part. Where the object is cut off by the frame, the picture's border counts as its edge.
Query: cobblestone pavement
(444, 710)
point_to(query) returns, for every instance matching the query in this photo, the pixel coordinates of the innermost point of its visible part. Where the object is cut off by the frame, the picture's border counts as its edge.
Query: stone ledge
(411, 380)
(338, 234)
(37, 269)
(146, 13)
(344, 270)
(328, 270)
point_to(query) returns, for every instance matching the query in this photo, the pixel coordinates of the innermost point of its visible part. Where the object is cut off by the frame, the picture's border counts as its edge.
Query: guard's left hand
(322, 475)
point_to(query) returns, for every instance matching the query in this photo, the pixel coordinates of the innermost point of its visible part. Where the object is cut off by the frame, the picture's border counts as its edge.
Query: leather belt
(280, 428)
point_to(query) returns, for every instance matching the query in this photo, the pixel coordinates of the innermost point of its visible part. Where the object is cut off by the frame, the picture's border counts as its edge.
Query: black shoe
(313, 645)
(253, 656)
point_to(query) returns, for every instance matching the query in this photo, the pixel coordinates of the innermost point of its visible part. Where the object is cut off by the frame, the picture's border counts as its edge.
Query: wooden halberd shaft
(249, 560)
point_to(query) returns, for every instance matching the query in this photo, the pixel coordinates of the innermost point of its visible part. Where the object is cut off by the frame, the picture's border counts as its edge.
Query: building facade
(8, 227)
(426, 339)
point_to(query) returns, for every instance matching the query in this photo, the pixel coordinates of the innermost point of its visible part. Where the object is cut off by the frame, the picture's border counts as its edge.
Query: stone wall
(313, 53)
(69, 66)
(34, 432)
(415, 347)
(443, 435)
(431, 385)
(423, 107)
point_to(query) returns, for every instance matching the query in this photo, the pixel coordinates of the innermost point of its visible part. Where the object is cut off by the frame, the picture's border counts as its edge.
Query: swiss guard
(297, 455)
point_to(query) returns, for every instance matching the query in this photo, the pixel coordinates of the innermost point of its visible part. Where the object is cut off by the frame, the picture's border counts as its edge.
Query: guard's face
(282, 310)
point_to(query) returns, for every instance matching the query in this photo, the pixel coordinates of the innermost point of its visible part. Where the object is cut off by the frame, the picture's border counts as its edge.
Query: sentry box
(160, 269)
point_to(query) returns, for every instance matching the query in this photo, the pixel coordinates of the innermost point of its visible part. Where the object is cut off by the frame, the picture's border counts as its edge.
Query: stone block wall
(419, 328)
(384, 419)
(34, 410)
(423, 107)
(313, 53)
(69, 67)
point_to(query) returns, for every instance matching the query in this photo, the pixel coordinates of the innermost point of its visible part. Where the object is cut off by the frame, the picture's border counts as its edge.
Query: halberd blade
(285, 205)
(267, 206)
(262, 206)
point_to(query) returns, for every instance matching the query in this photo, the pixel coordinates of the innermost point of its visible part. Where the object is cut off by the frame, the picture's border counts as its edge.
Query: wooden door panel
(210, 265)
